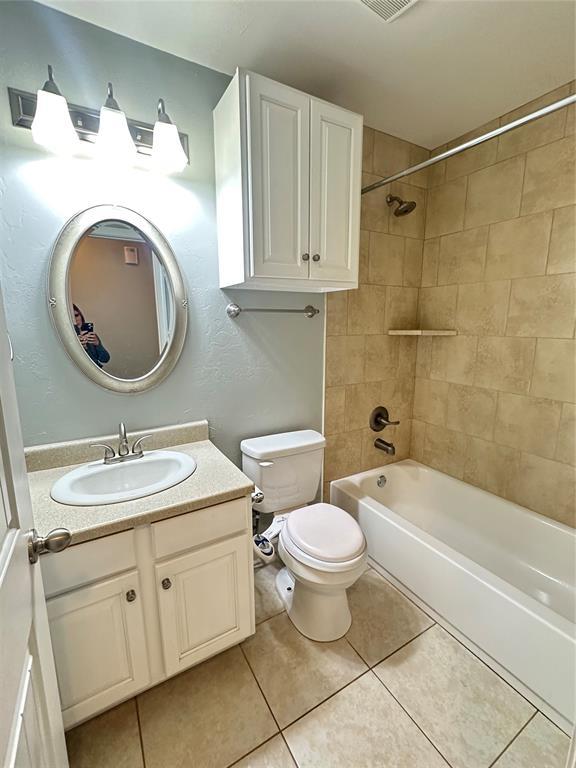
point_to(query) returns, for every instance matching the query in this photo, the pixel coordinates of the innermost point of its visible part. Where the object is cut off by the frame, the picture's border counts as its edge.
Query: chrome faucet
(385, 446)
(124, 453)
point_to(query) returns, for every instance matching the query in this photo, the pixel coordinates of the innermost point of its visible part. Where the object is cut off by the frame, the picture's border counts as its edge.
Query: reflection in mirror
(121, 303)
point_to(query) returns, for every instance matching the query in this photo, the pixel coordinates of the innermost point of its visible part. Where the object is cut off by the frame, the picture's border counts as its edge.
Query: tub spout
(383, 445)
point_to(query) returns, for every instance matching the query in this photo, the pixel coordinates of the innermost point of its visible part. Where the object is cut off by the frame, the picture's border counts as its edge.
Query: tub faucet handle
(380, 418)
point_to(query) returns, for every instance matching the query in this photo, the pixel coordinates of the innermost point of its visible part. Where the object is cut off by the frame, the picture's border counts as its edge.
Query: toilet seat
(324, 537)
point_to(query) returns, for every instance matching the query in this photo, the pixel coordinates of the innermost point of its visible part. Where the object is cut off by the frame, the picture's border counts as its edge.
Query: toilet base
(319, 614)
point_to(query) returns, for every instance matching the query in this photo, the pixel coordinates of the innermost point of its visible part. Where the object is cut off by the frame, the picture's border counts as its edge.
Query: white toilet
(322, 546)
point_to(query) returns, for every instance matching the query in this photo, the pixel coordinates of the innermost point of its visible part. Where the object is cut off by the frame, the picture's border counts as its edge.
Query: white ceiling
(442, 68)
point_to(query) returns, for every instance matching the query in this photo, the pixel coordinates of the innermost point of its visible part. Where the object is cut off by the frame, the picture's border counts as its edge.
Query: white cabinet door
(279, 158)
(205, 602)
(335, 181)
(99, 645)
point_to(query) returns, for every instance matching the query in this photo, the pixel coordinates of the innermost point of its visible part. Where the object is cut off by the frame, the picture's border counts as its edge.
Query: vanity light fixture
(167, 152)
(114, 140)
(52, 125)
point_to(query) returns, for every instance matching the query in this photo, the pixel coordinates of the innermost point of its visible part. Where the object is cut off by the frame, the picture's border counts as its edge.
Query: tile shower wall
(495, 405)
(364, 366)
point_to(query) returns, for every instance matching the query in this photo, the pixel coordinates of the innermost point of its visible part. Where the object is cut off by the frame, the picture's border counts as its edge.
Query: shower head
(404, 206)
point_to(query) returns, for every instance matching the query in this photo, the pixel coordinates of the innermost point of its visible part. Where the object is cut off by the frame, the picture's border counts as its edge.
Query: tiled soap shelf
(422, 333)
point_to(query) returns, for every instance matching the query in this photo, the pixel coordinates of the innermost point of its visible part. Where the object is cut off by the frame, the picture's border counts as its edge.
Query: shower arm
(472, 143)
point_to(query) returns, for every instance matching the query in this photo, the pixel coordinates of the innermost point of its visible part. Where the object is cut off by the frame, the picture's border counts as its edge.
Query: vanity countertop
(215, 480)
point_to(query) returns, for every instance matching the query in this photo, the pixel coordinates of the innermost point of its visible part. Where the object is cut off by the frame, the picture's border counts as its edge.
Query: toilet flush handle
(265, 463)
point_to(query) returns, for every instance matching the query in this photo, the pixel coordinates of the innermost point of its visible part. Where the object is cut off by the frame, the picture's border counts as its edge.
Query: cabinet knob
(305, 257)
(316, 257)
(166, 583)
(131, 595)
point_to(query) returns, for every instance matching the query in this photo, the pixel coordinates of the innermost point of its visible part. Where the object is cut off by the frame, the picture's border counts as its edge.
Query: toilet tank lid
(283, 444)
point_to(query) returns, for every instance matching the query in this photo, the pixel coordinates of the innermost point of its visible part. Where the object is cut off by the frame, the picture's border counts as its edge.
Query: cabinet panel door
(279, 160)
(205, 602)
(99, 646)
(335, 183)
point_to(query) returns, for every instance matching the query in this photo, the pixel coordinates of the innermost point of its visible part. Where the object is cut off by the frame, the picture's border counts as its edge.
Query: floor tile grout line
(422, 731)
(507, 747)
(140, 731)
(260, 688)
(292, 755)
(244, 756)
(388, 655)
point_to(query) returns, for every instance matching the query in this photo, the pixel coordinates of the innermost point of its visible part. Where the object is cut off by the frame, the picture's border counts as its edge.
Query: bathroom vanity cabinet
(128, 610)
(288, 181)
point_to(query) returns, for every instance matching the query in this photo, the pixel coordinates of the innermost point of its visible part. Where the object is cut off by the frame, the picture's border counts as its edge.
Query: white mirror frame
(59, 307)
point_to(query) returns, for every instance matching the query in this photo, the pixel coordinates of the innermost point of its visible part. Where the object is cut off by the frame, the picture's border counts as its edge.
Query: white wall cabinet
(288, 180)
(129, 610)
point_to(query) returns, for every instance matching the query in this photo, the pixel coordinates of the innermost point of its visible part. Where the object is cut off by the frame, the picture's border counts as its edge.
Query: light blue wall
(254, 375)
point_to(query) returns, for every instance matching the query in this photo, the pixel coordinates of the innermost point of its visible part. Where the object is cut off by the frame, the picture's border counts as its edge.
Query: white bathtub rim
(555, 621)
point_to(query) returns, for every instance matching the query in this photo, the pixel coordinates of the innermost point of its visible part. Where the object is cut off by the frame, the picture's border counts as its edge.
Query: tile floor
(397, 692)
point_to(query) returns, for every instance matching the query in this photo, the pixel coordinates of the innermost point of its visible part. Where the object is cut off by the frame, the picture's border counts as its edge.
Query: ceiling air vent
(389, 10)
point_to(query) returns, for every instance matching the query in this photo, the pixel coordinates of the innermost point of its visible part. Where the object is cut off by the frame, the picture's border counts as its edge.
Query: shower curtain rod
(473, 142)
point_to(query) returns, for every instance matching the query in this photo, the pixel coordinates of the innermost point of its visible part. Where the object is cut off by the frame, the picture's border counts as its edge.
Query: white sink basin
(99, 483)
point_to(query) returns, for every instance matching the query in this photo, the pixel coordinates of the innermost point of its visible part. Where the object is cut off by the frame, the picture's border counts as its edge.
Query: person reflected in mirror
(93, 347)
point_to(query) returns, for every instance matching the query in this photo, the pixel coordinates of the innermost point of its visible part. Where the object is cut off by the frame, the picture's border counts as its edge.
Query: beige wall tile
(364, 256)
(494, 193)
(544, 486)
(542, 306)
(373, 457)
(550, 180)
(542, 131)
(418, 155)
(445, 450)
(566, 445)
(462, 256)
(337, 313)
(475, 158)
(344, 360)
(489, 465)
(401, 308)
(430, 258)
(381, 358)
(437, 173)
(398, 396)
(390, 154)
(411, 225)
(431, 401)
(555, 370)
(334, 410)
(343, 455)
(471, 410)
(413, 262)
(417, 440)
(527, 423)
(366, 309)
(424, 357)
(368, 150)
(361, 399)
(562, 255)
(453, 358)
(445, 209)
(386, 261)
(437, 307)
(505, 363)
(482, 308)
(374, 209)
(519, 247)
(406, 357)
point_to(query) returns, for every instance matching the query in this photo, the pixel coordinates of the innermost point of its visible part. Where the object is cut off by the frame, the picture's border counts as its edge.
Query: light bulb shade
(114, 140)
(168, 155)
(52, 125)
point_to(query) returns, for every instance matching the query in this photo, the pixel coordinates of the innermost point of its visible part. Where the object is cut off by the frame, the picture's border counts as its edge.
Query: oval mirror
(117, 298)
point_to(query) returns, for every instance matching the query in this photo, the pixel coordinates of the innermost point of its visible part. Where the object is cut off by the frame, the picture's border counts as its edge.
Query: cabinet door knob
(131, 595)
(316, 257)
(305, 257)
(166, 583)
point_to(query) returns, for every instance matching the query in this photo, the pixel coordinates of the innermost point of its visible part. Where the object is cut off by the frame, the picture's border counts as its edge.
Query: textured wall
(251, 376)
(364, 366)
(495, 405)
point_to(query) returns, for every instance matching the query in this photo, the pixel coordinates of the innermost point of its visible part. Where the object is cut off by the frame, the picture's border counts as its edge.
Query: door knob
(55, 541)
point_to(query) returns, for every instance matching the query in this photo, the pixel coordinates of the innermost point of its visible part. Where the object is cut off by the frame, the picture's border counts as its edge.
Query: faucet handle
(380, 418)
(108, 450)
(137, 446)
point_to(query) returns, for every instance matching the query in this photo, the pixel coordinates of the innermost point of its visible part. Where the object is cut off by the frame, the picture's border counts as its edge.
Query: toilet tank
(287, 467)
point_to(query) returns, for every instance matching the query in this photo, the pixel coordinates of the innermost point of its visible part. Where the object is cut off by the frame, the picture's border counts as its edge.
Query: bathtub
(498, 576)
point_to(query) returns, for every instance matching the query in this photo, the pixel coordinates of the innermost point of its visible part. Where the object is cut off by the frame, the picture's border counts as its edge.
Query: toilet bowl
(324, 552)
(322, 546)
